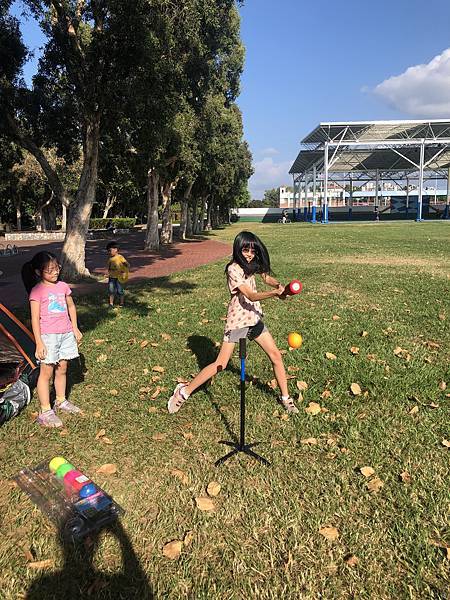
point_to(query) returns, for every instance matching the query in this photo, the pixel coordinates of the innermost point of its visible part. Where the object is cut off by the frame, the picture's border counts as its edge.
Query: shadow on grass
(93, 309)
(206, 352)
(79, 577)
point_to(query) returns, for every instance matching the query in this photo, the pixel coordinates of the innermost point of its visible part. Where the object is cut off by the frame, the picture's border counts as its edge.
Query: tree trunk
(208, 216)
(166, 220)
(201, 219)
(185, 212)
(26, 142)
(64, 218)
(194, 217)
(151, 235)
(110, 201)
(17, 204)
(73, 252)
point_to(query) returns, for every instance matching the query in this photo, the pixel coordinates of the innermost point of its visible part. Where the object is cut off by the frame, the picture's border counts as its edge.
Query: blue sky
(330, 60)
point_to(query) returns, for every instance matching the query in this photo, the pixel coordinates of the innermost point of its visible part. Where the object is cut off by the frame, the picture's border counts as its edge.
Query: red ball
(295, 287)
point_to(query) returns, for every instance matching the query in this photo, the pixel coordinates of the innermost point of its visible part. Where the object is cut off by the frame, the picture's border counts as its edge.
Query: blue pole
(313, 214)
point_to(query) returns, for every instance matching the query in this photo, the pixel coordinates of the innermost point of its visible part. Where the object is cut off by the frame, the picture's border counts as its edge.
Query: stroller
(19, 371)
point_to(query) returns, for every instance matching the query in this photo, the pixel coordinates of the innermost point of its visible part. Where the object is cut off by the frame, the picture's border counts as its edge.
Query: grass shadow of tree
(79, 577)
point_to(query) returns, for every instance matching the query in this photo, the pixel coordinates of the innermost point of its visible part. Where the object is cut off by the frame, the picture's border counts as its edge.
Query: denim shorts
(115, 287)
(60, 346)
(253, 332)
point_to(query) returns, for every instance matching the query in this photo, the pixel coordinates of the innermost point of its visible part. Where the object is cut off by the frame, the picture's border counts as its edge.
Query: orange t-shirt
(241, 311)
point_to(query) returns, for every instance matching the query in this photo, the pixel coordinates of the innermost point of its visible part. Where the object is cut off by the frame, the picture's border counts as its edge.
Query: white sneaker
(176, 400)
(289, 405)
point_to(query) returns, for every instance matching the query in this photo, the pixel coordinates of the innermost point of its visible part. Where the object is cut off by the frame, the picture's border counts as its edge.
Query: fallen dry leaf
(213, 488)
(159, 437)
(98, 342)
(398, 351)
(154, 344)
(188, 435)
(41, 564)
(292, 369)
(330, 356)
(442, 386)
(166, 336)
(106, 440)
(354, 350)
(375, 485)
(181, 475)
(114, 392)
(273, 384)
(355, 388)
(335, 317)
(313, 408)
(330, 533)
(144, 344)
(158, 369)
(311, 441)
(100, 434)
(414, 410)
(152, 410)
(302, 385)
(156, 393)
(441, 316)
(102, 358)
(367, 471)
(446, 443)
(205, 504)
(405, 477)
(188, 537)
(107, 469)
(172, 550)
(364, 333)
(352, 560)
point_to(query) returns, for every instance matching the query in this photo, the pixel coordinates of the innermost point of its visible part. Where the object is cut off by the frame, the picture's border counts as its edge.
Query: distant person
(285, 216)
(118, 270)
(244, 318)
(55, 328)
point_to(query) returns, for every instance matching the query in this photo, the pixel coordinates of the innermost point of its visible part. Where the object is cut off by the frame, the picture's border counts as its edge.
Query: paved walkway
(144, 265)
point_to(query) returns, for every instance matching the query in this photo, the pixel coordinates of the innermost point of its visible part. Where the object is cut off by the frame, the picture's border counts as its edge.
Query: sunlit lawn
(382, 289)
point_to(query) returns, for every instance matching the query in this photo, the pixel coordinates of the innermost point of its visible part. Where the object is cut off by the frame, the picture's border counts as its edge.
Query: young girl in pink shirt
(244, 318)
(55, 329)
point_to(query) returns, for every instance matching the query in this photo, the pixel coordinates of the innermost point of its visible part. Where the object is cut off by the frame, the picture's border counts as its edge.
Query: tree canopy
(137, 120)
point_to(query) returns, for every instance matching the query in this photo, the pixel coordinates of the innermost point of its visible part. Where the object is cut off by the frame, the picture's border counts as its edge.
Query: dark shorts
(253, 332)
(115, 287)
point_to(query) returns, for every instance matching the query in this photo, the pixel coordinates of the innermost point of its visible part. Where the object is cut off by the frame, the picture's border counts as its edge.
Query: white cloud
(270, 152)
(268, 174)
(422, 91)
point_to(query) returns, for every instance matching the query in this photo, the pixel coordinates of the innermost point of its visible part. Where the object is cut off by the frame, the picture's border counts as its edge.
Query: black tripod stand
(241, 446)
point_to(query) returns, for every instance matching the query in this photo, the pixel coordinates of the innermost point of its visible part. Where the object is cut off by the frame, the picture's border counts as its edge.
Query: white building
(335, 197)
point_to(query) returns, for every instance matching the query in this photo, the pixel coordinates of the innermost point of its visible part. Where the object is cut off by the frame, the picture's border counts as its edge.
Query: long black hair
(32, 270)
(261, 262)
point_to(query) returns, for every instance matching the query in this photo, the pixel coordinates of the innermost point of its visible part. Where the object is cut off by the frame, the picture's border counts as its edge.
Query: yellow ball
(295, 340)
(55, 463)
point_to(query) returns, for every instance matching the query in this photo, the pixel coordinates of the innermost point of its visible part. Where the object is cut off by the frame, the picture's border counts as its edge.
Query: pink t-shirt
(54, 317)
(241, 311)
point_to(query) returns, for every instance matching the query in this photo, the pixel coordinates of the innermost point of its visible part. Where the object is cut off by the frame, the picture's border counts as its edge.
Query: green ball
(63, 469)
(56, 462)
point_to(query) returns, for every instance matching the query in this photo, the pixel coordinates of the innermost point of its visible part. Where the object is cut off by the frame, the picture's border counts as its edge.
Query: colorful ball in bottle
(63, 469)
(89, 489)
(74, 481)
(56, 462)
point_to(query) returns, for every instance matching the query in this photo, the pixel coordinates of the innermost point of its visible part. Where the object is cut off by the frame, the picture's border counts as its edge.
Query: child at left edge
(55, 329)
(118, 269)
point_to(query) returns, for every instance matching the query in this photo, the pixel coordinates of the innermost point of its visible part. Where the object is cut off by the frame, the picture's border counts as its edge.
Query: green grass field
(311, 525)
